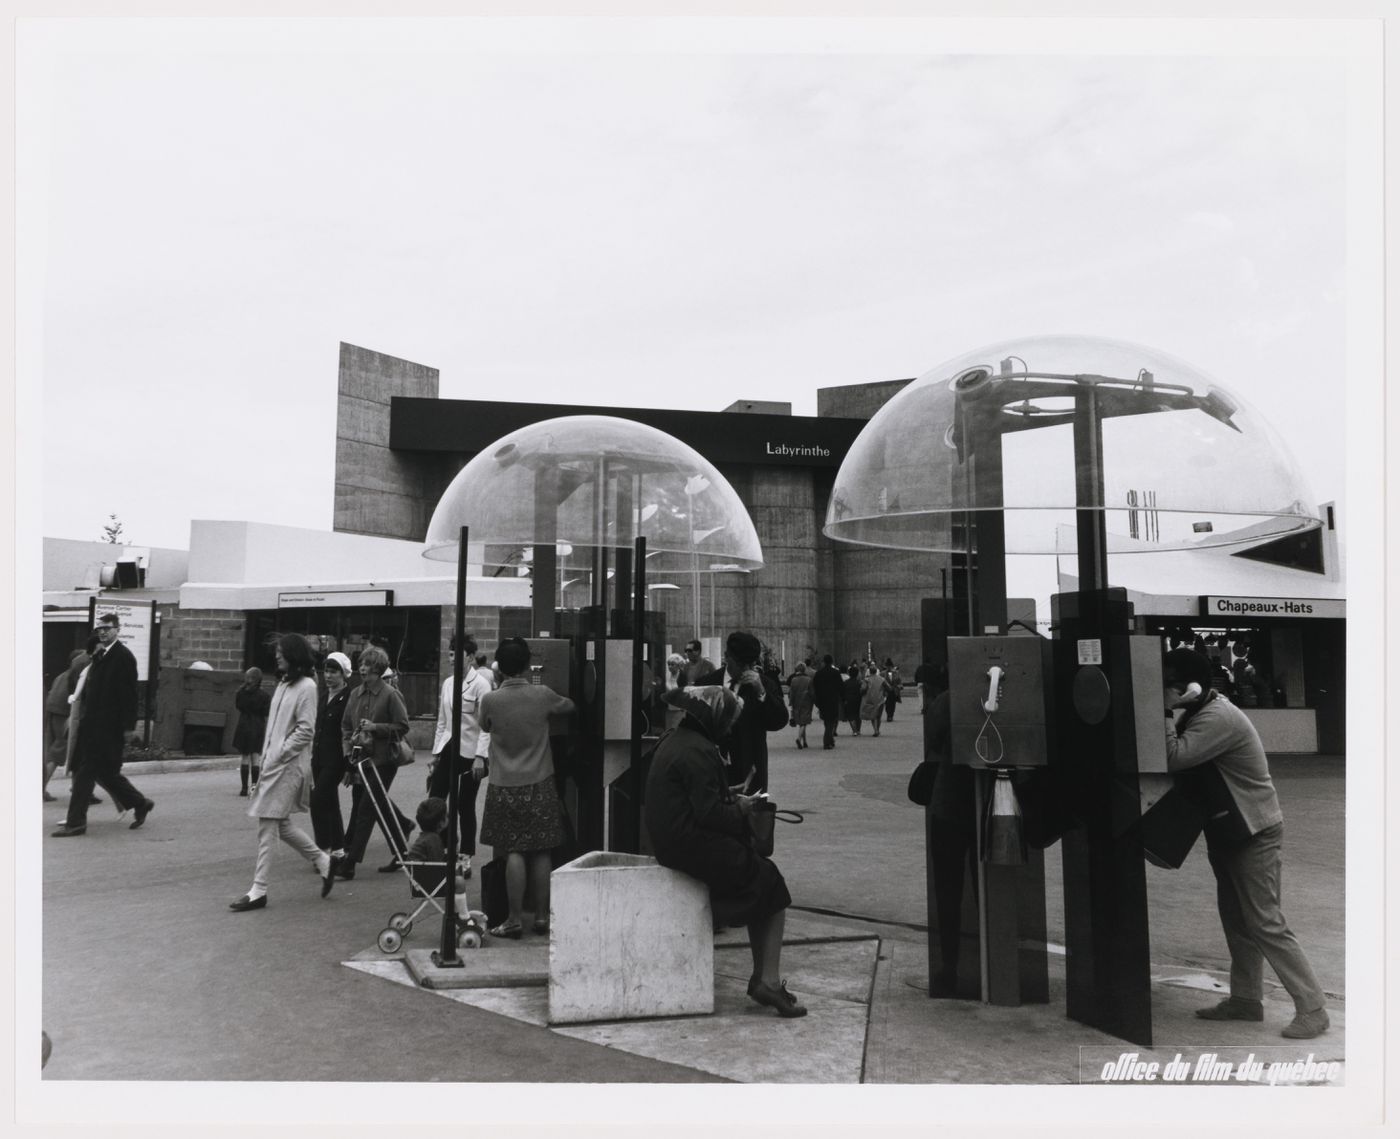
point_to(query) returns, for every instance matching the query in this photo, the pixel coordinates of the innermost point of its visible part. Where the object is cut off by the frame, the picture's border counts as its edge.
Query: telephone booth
(1085, 449)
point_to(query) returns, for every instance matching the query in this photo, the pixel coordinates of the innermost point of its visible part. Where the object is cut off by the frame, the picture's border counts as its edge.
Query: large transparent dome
(586, 481)
(1185, 464)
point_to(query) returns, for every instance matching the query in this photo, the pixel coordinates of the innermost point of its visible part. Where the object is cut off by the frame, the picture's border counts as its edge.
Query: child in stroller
(425, 863)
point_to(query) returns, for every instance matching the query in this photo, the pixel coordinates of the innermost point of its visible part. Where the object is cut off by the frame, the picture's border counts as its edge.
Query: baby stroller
(472, 928)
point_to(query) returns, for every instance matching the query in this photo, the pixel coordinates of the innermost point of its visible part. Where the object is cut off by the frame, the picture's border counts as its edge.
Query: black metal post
(445, 957)
(1091, 525)
(638, 648)
(1108, 963)
(152, 672)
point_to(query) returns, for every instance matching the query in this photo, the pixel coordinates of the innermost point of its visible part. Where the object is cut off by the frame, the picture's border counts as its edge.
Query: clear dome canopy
(1183, 463)
(585, 481)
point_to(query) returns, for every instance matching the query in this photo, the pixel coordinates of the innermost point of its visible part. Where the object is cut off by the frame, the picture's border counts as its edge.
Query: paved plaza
(169, 985)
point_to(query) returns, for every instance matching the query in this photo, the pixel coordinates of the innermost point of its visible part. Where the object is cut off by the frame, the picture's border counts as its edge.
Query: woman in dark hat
(698, 826)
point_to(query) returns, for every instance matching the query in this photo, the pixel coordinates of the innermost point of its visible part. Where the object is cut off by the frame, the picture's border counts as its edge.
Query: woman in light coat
(284, 782)
(872, 697)
(800, 701)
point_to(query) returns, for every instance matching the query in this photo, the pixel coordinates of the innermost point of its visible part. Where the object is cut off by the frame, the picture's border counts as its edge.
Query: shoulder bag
(920, 788)
(761, 819)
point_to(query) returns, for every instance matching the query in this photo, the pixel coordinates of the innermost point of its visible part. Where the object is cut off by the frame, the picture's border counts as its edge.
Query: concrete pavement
(184, 989)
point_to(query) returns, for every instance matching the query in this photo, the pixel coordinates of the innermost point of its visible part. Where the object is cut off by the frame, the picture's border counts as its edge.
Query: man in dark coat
(826, 691)
(107, 722)
(764, 709)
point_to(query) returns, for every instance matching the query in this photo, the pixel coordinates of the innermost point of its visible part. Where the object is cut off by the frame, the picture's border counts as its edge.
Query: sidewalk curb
(163, 766)
(184, 763)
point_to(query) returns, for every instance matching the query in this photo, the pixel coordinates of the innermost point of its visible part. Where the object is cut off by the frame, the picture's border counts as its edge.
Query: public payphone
(1000, 701)
(595, 748)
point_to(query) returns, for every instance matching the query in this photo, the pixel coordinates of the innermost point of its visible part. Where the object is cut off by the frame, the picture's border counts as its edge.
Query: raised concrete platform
(628, 938)
(828, 965)
(495, 965)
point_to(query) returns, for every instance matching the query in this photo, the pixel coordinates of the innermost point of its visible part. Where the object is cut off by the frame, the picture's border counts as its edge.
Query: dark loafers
(247, 903)
(776, 997)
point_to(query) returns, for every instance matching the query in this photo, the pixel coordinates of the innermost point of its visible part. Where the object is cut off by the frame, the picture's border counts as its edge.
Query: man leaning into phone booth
(1219, 763)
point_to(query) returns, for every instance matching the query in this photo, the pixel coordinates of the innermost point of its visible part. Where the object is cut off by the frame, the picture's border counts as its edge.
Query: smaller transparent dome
(585, 481)
(1185, 463)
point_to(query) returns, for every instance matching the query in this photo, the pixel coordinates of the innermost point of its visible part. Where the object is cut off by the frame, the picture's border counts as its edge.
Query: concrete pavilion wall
(378, 491)
(778, 603)
(870, 595)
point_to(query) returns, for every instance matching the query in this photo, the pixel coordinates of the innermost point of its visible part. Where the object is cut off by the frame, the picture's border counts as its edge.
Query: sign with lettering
(138, 622)
(323, 598)
(796, 451)
(464, 427)
(1247, 607)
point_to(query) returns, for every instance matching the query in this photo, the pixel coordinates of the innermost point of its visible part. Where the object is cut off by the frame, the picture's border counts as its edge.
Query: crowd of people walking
(302, 741)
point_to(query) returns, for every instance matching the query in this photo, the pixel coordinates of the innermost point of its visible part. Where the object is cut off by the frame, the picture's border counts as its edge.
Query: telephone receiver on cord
(994, 675)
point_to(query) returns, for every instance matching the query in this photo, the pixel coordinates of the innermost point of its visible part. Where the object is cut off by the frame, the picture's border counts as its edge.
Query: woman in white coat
(284, 782)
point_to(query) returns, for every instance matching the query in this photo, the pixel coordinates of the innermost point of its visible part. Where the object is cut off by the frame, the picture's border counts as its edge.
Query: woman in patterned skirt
(522, 815)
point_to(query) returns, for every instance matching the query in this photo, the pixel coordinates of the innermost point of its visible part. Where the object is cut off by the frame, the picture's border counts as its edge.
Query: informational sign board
(138, 627)
(1244, 608)
(324, 598)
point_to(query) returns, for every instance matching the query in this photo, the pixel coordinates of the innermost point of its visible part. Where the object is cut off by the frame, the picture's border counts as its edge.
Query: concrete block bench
(628, 938)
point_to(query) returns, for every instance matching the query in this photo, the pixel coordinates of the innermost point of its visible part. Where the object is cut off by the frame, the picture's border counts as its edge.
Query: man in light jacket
(1217, 758)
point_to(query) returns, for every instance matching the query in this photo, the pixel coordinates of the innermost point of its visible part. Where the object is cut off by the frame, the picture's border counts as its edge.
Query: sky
(623, 214)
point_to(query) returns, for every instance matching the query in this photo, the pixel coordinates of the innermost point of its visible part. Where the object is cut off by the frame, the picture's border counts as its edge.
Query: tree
(112, 530)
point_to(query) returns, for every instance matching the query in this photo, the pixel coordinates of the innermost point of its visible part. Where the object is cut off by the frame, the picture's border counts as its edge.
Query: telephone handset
(981, 745)
(994, 678)
(1193, 692)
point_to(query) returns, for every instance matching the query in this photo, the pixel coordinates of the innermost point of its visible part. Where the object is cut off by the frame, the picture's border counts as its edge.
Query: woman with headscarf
(328, 766)
(698, 826)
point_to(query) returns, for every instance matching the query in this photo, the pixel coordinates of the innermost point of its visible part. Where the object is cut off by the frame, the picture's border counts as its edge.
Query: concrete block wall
(378, 491)
(483, 622)
(215, 636)
(778, 603)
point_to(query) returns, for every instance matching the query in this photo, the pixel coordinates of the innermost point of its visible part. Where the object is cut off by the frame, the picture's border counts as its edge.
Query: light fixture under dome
(1181, 462)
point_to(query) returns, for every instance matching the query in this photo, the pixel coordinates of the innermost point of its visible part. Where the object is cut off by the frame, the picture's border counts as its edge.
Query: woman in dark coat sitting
(699, 827)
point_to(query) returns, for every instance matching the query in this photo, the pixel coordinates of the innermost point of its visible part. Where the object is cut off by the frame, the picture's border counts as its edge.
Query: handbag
(920, 788)
(761, 819)
(403, 752)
